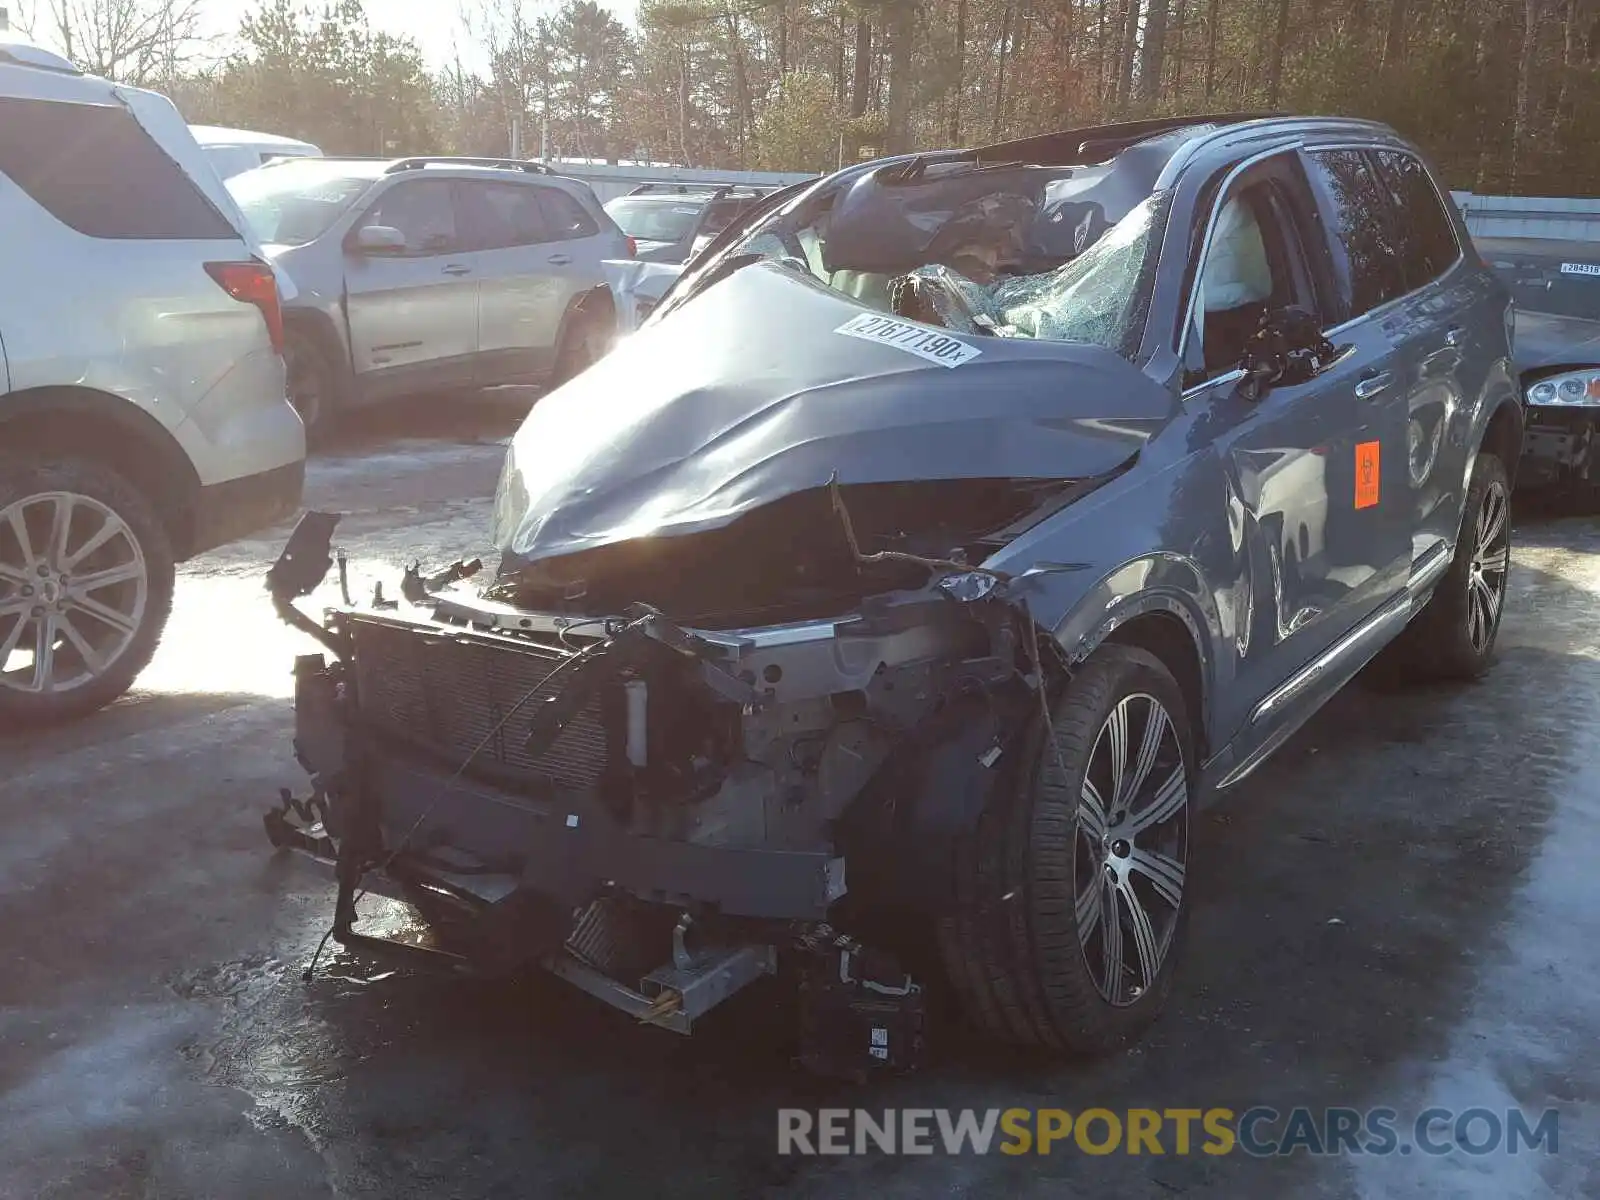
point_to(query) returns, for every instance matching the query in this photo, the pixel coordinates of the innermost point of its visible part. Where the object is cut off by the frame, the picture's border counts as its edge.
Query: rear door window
(95, 169)
(566, 217)
(499, 216)
(1427, 235)
(1362, 236)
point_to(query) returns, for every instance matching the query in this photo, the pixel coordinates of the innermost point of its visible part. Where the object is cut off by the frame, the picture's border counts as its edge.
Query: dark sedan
(1556, 285)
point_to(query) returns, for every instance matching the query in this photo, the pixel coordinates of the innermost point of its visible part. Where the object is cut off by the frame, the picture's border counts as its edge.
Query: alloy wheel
(1490, 567)
(73, 590)
(1132, 848)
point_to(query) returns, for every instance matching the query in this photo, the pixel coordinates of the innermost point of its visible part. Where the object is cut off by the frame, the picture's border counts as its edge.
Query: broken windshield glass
(1013, 250)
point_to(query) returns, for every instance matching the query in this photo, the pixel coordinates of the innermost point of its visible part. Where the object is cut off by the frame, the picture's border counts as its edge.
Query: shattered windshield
(1010, 250)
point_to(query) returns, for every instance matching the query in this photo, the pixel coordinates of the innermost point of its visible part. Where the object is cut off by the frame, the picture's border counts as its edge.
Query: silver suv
(431, 274)
(143, 418)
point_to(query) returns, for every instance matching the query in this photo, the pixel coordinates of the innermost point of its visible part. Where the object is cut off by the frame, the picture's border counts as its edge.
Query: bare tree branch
(131, 41)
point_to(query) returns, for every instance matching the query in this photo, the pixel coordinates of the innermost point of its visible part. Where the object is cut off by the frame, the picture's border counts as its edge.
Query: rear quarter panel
(143, 321)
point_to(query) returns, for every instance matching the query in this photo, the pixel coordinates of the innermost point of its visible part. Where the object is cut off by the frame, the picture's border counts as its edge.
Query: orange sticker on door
(1366, 474)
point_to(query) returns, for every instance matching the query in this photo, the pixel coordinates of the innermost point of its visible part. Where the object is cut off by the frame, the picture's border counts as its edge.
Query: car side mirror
(379, 240)
(1287, 349)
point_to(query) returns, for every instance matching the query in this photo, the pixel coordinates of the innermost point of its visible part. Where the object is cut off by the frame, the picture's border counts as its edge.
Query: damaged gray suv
(884, 609)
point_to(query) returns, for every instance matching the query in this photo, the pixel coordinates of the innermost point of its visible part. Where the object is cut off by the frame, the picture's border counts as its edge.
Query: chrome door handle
(457, 269)
(1373, 384)
(561, 260)
(1453, 335)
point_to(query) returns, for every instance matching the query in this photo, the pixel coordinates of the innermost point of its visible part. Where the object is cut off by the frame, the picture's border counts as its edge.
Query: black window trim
(1461, 252)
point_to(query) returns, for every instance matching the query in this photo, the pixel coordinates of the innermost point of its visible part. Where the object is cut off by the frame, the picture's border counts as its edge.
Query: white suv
(143, 416)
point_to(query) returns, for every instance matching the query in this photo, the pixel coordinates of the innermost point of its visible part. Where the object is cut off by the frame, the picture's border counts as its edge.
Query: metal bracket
(673, 997)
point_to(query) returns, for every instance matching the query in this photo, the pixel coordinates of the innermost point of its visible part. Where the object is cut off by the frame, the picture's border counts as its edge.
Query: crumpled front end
(743, 678)
(662, 812)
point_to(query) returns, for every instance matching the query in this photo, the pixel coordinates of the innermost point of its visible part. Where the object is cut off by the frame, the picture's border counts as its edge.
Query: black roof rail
(682, 189)
(715, 190)
(735, 188)
(1096, 143)
(417, 162)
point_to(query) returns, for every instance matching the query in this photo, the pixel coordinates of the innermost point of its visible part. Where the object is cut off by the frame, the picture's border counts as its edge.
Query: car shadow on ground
(138, 712)
(488, 415)
(1345, 896)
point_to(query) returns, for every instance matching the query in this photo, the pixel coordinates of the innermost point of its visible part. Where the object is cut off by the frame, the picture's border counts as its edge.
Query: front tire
(1071, 910)
(86, 578)
(1453, 637)
(588, 337)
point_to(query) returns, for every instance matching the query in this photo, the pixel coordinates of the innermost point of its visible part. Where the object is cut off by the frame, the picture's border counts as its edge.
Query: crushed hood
(751, 392)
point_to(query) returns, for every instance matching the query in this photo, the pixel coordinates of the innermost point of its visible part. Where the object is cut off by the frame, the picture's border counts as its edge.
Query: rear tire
(86, 578)
(1453, 637)
(314, 388)
(1029, 948)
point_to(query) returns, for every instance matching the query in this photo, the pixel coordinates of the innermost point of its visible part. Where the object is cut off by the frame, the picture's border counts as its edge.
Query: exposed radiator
(450, 692)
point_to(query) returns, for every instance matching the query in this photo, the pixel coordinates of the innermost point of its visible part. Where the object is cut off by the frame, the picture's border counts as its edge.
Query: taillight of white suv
(253, 283)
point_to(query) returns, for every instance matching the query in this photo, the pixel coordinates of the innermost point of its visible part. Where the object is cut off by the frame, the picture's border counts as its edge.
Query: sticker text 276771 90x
(925, 343)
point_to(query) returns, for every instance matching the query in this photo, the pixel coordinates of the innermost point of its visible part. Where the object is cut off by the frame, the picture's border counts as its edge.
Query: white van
(234, 151)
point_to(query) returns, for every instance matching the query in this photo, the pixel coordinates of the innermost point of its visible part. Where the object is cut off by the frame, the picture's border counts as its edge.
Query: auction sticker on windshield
(925, 343)
(1580, 268)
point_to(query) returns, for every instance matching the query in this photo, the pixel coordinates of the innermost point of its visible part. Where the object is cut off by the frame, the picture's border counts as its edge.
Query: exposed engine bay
(663, 804)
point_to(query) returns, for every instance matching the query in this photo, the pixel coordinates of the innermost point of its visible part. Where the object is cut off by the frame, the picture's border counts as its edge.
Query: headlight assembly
(1573, 387)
